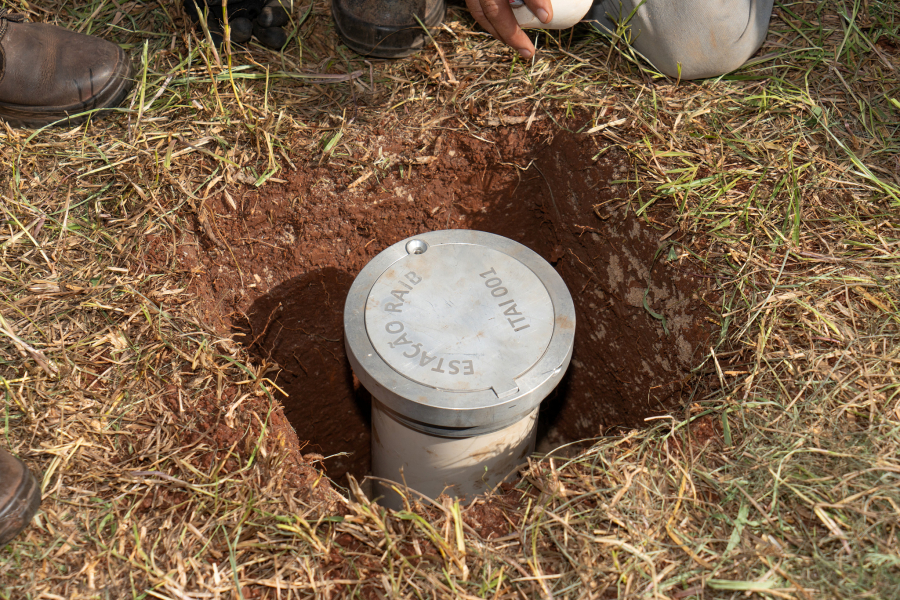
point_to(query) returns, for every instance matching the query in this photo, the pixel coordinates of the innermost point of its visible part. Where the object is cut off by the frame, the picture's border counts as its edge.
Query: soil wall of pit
(286, 255)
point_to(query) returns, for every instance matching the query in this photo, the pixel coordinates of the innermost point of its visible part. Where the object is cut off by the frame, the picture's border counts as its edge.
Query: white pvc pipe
(432, 465)
(565, 14)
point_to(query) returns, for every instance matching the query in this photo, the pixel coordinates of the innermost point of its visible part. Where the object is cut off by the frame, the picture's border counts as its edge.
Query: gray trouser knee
(690, 38)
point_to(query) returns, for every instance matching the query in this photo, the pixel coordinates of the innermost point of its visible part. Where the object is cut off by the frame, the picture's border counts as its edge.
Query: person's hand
(498, 19)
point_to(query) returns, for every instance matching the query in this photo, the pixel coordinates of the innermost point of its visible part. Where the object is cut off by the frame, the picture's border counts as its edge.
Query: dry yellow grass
(788, 170)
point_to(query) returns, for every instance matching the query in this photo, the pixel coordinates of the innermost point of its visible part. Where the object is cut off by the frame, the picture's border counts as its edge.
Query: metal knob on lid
(457, 334)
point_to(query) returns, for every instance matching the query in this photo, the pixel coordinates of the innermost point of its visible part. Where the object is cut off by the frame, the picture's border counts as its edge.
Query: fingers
(497, 18)
(542, 9)
(474, 7)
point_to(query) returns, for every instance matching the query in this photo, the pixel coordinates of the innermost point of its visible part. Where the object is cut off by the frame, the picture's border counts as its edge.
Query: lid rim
(424, 404)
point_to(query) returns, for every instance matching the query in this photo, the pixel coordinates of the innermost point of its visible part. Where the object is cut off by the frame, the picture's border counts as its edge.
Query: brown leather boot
(48, 73)
(20, 496)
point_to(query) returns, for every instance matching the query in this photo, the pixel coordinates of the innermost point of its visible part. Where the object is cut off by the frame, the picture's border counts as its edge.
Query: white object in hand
(566, 13)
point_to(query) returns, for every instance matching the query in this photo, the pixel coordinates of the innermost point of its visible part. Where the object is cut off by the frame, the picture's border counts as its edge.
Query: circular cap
(459, 329)
(460, 318)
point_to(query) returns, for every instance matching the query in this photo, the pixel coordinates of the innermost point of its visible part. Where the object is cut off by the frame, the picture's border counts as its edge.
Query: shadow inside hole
(626, 364)
(300, 326)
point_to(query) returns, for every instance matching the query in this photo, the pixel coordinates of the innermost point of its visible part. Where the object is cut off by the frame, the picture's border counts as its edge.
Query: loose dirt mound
(275, 265)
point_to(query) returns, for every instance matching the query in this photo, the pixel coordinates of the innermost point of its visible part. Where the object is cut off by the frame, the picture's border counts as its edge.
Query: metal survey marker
(458, 335)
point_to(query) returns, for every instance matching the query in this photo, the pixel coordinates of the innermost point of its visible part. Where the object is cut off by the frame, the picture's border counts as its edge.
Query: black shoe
(263, 19)
(386, 28)
(20, 497)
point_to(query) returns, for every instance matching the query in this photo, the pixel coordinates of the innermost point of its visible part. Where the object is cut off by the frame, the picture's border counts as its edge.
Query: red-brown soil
(286, 254)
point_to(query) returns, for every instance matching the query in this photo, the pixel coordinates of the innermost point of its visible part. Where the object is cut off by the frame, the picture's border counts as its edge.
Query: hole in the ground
(641, 321)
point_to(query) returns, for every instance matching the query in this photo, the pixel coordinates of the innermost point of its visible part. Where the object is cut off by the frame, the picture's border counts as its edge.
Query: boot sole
(381, 41)
(19, 512)
(109, 97)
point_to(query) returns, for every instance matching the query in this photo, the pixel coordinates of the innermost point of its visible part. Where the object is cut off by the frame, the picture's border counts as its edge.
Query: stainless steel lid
(459, 330)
